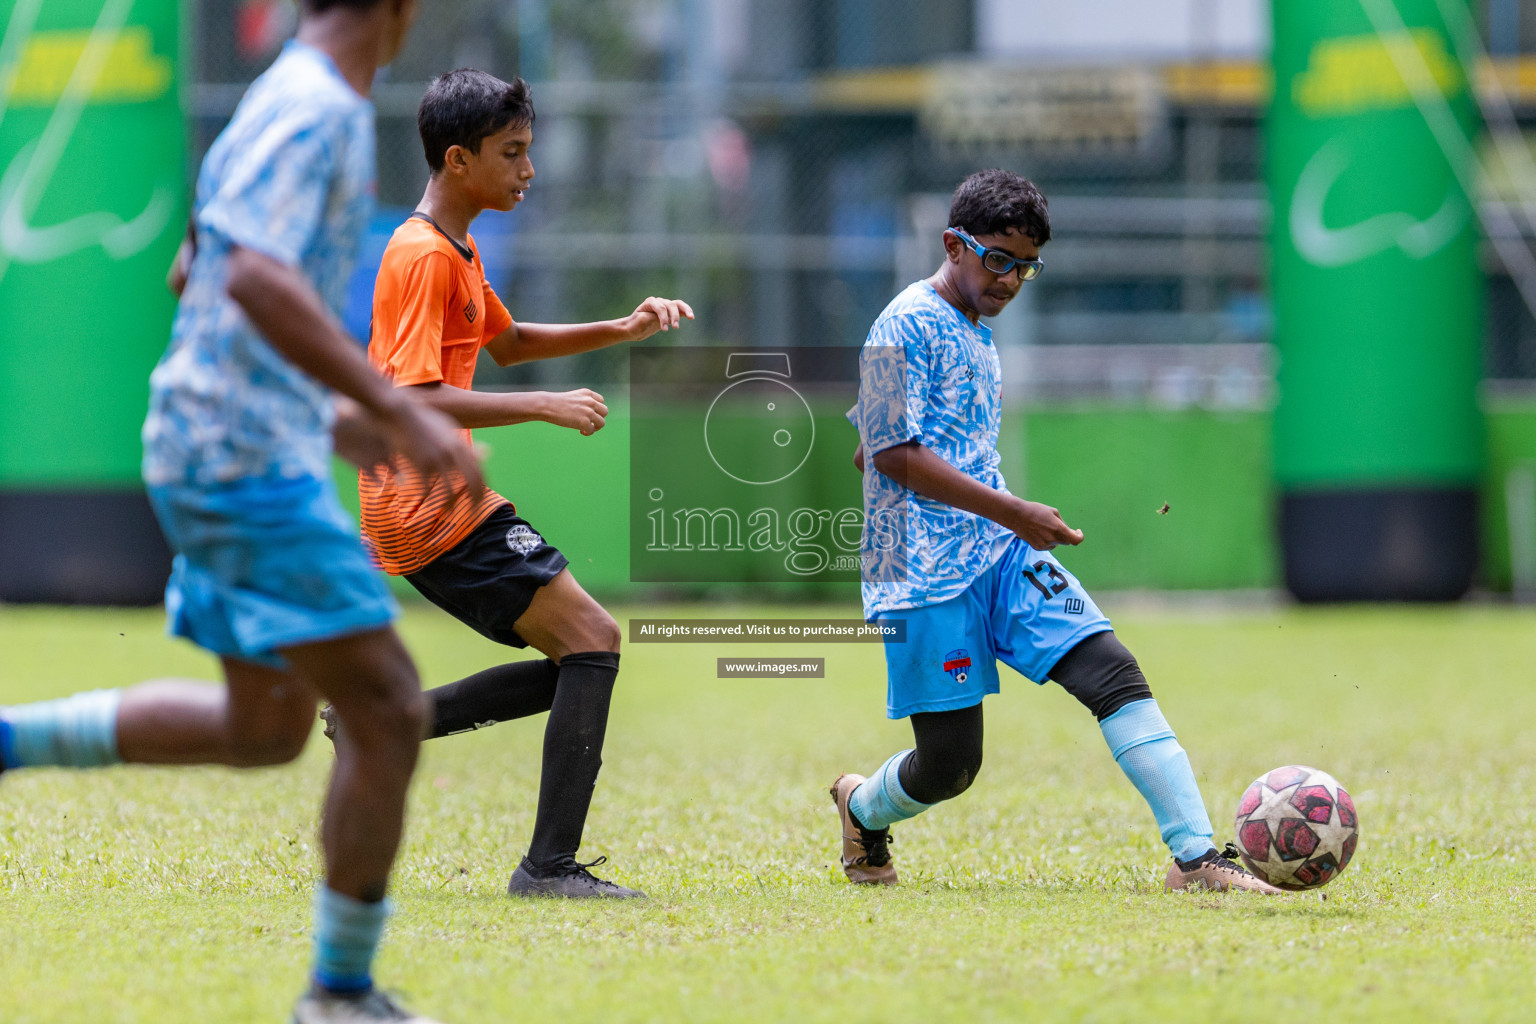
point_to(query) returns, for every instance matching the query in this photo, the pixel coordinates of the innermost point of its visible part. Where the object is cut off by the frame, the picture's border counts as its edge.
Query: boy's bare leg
(264, 715)
(370, 680)
(564, 619)
(261, 716)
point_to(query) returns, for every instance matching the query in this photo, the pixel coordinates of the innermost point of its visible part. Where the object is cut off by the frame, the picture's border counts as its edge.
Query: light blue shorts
(1026, 611)
(265, 563)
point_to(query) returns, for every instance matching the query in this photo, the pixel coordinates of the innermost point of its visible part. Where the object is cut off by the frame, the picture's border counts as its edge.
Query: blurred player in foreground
(968, 565)
(269, 574)
(461, 544)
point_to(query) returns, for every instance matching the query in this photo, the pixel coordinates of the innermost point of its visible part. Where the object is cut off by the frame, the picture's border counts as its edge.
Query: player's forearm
(485, 408)
(357, 435)
(290, 315)
(919, 469)
(550, 341)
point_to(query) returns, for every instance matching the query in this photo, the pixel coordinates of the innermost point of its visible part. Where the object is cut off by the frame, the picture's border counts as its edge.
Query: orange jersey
(432, 314)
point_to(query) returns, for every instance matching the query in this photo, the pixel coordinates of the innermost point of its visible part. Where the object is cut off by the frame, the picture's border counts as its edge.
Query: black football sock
(500, 694)
(573, 753)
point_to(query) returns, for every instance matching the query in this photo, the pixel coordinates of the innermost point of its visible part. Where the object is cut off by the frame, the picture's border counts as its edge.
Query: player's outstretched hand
(1042, 526)
(582, 410)
(430, 441)
(656, 314)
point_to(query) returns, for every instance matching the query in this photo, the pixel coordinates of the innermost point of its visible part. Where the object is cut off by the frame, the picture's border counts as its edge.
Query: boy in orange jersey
(465, 548)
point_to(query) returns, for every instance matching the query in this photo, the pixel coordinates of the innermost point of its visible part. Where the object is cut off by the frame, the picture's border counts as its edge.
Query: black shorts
(488, 579)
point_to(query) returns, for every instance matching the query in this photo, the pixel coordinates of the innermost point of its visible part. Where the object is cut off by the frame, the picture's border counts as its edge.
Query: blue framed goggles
(998, 261)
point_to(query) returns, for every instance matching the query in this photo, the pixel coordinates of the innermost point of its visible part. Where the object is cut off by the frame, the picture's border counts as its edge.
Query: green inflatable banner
(1377, 296)
(92, 207)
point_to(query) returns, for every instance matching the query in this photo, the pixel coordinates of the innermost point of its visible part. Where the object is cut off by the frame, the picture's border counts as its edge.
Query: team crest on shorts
(958, 665)
(522, 539)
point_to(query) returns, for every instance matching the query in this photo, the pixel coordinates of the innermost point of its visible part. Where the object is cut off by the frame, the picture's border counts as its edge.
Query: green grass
(183, 895)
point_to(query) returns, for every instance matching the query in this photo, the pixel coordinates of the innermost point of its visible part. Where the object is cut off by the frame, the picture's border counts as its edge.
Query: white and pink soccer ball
(1296, 827)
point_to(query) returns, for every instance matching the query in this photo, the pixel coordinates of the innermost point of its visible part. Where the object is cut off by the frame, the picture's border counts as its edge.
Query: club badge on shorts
(522, 539)
(958, 665)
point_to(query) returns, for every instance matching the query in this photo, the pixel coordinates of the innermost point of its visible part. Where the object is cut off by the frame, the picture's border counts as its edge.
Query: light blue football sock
(880, 801)
(347, 933)
(71, 732)
(1142, 743)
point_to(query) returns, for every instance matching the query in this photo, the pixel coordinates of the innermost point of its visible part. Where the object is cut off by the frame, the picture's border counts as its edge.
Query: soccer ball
(1296, 827)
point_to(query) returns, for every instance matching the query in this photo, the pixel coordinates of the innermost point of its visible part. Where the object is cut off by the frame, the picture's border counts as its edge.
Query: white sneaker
(371, 1007)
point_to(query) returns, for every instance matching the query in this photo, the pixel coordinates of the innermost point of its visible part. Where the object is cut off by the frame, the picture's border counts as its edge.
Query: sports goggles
(1000, 262)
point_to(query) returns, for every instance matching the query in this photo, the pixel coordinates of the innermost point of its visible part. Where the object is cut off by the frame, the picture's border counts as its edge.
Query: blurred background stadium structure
(785, 166)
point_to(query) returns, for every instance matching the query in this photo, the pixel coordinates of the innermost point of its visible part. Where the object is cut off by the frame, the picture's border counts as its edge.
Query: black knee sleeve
(1102, 674)
(947, 757)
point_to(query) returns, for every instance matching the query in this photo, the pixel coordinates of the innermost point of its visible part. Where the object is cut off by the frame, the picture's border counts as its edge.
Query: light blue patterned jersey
(926, 374)
(291, 177)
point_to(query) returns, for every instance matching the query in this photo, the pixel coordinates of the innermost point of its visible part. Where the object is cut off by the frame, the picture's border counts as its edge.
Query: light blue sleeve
(894, 372)
(274, 191)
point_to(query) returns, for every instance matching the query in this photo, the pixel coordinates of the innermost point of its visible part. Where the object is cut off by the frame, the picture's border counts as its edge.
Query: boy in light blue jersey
(269, 574)
(968, 565)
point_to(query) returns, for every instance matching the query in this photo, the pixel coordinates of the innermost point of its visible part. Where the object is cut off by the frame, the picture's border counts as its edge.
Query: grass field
(173, 895)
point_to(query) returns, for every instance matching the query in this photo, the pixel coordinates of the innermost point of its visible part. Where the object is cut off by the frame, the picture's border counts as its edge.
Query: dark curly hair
(462, 107)
(992, 201)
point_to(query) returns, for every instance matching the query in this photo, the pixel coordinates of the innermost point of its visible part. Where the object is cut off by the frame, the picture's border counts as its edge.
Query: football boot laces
(1230, 859)
(876, 843)
(569, 865)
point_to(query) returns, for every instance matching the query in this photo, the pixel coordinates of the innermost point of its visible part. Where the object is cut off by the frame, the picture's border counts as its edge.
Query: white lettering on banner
(1323, 246)
(31, 171)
